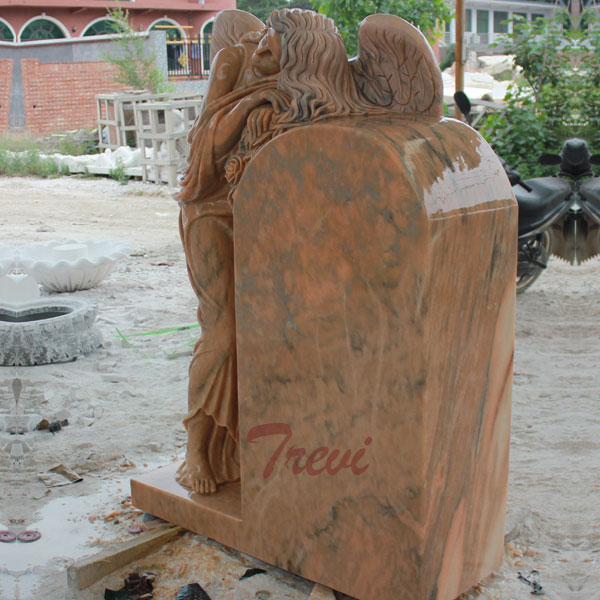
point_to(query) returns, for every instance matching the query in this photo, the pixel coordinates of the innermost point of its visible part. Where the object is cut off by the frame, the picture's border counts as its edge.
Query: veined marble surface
(375, 270)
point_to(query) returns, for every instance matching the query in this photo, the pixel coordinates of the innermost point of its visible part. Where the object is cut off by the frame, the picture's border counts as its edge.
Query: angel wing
(395, 67)
(230, 26)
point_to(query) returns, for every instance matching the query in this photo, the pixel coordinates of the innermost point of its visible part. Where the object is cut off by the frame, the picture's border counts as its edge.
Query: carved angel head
(314, 73)
(395, 70)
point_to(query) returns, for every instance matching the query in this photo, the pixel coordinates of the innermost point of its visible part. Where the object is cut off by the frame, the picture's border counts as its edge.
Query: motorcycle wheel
(526, 281)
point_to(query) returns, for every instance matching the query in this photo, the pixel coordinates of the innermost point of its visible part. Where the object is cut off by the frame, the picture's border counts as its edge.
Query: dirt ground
(125, 403)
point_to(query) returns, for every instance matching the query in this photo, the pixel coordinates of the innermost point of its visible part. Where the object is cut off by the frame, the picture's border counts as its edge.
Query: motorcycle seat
(543, 203)
(590, 192)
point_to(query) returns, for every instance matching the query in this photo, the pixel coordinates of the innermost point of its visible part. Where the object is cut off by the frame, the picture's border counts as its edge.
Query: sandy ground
(125, 403)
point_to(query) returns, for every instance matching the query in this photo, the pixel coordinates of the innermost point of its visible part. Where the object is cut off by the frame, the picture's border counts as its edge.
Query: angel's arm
(224, 72)
(232, 125)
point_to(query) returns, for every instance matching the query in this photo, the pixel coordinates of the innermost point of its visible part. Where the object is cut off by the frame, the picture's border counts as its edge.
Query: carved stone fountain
(36, 330)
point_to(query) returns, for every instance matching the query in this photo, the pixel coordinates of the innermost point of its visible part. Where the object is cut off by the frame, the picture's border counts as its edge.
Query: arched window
(176, 58)
(6, 33)
(100, 27)
(171, 28)
(206, 37)
(41, 29)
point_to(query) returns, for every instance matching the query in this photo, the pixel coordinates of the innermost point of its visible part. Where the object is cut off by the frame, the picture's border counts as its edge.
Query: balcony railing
(189, 59)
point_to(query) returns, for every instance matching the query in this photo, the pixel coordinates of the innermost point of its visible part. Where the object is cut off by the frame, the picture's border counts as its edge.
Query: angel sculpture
(264, 80)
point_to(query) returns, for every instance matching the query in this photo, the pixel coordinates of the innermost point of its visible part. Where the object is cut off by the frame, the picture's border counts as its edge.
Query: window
(499, 21)
(103, 27)
(468, 19)
(6, 35)
(176, 57)
(206, 40)
(172, 30)
(483, 21)
(41, 29)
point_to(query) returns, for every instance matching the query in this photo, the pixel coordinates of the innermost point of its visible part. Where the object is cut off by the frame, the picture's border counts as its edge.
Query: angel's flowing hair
(315, 73)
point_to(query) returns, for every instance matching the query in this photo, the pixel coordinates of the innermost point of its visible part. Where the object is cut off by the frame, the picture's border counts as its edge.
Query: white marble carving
(65, 266)
(18, 287)
(46, 331)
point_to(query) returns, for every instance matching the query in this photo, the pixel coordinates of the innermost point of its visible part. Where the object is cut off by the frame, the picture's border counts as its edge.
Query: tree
(559, 93)
(347, 14)
(136, 67)
(263, 8)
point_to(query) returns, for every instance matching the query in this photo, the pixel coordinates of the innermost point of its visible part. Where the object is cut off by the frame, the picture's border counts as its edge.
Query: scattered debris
(7, 536)
(51, 426)
(136, 529)
(113, 378)
(180, 354)
(59, 475)
(87, 571)
(252, 573)
(534, 581)
(320, 592)
(30, 535)
(192, 591)
(57, 425)
(151, 522)
(137, 586)
(515, 522)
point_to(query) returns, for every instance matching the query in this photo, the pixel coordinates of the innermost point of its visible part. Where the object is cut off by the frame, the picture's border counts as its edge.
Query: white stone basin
(66, 266)
(70, 251)
(47, 330)
(18, 287)
(8, 259)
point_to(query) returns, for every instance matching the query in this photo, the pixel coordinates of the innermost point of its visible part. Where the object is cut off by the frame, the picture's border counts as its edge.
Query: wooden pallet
(162, 130)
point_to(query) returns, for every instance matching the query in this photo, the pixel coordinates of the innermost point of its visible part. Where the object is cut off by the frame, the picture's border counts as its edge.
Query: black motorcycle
(558, 215)
(576, 236)
(555, 215)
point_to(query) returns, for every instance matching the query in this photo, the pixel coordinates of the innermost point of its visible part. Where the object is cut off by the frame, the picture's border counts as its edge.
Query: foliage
(348, 14)
(74, 143)
(560, 62)
(118, 172)
(263, 8)
(21, 157)
(136, 67)
(541, 48)
(520, 132)
(72, 146)
(448, 59)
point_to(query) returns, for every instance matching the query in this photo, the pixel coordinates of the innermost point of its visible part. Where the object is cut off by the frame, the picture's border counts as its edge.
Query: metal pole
(459, 73)
(575, 13)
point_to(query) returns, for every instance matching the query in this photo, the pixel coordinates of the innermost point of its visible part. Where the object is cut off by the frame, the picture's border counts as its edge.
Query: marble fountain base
(47, 330)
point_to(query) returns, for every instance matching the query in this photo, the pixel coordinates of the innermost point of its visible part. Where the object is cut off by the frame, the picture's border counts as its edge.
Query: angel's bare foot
(195, 472)
(200, 475)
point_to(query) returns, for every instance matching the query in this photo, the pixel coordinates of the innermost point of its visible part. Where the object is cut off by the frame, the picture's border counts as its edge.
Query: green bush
(520, 133)
(558, 95)
(136, 67)
(28, 162)
(119, 173)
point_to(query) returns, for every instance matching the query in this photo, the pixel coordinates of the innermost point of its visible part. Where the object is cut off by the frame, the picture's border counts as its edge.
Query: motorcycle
(577, 235)
(558, 215)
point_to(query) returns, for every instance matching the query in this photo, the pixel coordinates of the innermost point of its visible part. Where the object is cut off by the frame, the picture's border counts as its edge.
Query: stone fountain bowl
(70, 266)
(46, 331)
(8, 259)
